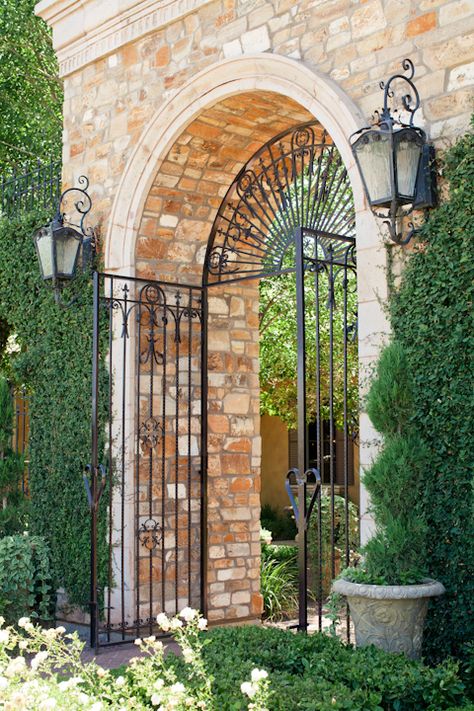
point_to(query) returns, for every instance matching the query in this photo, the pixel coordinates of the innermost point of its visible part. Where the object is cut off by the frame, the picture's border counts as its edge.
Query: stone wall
(124, 62)
(109, 101)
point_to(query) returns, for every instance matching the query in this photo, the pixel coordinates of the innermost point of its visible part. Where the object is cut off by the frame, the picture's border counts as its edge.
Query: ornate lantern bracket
(395, 160)
(66, 245)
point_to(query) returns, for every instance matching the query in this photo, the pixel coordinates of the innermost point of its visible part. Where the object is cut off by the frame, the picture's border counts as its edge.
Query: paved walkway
(114, 655)
(118, 654)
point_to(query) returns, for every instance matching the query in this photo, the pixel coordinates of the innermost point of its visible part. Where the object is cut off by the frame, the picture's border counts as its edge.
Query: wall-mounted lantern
(395, 161)
(62, 246)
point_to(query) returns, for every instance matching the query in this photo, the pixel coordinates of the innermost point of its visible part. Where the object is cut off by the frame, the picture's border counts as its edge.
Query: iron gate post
(302, 433)
(94, 609)
(204, 454)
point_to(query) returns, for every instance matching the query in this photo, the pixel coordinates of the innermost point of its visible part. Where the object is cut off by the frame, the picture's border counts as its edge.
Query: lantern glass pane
(44, 247)
(374, 154)
(408, 153)
(68, 243)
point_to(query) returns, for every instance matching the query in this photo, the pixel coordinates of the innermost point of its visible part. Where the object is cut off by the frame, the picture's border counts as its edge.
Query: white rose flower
(188, 655)
(188, 614)
(2, 620)
(38, 659)
(138, 642)
(97, 706)
(47, 704)
(23, 644)
(159, 684)
(3, 683)
(150, 639)
(16, 666)
(23, 621)
(60, 630)
(83, 698)
(177, 688)
(101, 672)
(120, 681)
(258, 674)
(155, 699)
(248, 689)
(4, 636)
(175, 623)
(163, 621)
(202, 623)
(18, 699)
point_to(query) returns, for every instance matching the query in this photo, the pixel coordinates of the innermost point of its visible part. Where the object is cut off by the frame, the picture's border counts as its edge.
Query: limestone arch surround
(334, 110)
(264, 72)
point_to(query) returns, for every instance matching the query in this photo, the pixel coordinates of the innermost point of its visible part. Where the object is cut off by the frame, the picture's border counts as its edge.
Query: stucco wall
(274, 434)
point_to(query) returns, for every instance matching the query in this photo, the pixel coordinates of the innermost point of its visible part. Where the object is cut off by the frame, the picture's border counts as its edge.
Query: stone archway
(160, 223)
(315, 93)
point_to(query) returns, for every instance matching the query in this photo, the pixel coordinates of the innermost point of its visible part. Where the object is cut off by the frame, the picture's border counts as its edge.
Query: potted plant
(388, 592)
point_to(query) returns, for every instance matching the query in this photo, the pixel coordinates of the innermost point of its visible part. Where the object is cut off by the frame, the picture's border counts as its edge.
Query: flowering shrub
(41, 669)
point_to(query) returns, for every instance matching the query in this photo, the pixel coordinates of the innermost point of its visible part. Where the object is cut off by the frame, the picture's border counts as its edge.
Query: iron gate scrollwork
(289, 211)
(148, 339)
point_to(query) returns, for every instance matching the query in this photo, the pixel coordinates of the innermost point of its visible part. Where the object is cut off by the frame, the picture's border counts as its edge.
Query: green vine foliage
(55, 364)
(25, 578)
(432, 316)
(13, 503)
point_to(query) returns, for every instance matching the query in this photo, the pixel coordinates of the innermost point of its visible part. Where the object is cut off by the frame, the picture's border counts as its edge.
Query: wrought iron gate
(329, 276)
(289, 211)
(146, 501)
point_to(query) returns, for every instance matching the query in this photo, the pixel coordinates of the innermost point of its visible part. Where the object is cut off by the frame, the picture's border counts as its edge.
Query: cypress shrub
(395, 555)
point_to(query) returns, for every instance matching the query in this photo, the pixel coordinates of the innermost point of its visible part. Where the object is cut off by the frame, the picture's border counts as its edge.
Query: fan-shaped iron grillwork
(295, 180)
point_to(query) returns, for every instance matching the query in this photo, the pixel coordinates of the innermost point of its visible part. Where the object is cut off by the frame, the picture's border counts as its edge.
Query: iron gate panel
(148, 344)
(291, 210)
(325, 277)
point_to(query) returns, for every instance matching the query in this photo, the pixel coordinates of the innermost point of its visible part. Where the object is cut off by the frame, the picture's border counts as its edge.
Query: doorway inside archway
(182, 489)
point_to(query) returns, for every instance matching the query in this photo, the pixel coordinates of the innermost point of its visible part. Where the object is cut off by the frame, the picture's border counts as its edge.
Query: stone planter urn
(389, 616)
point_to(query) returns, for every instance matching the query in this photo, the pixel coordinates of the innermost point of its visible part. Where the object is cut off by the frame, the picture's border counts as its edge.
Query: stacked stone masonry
(123, 62)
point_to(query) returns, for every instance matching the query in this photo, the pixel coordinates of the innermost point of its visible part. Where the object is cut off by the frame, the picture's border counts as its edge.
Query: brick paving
(116, 655)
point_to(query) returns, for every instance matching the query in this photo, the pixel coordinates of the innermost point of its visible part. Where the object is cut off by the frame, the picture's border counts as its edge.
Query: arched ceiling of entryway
(195, 175)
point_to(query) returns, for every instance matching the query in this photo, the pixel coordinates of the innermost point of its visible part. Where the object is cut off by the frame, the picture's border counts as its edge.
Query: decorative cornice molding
(86, 30)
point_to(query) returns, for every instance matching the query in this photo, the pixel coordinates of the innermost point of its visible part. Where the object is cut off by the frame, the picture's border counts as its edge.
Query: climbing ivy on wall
(55, 364)
(432, 315)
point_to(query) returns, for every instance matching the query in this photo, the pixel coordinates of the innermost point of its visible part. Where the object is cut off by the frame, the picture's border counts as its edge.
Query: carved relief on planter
(392, 625)
(389, 616)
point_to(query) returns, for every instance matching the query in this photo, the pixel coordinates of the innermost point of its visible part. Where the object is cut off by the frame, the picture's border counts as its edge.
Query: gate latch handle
(93, 503)
(294, 476)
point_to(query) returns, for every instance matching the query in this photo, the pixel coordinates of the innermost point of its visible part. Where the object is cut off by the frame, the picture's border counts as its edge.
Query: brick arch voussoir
(194, 176)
